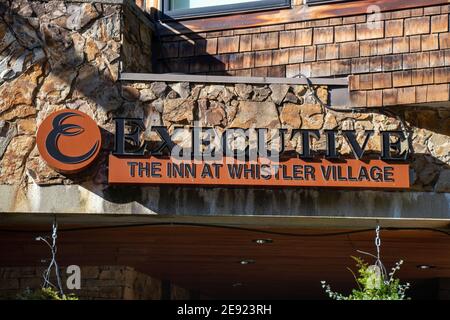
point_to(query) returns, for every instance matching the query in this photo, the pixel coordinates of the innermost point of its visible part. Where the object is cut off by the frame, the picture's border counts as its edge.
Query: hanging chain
(378, 246)
(378, 262)
(53, 248)
(378, 241)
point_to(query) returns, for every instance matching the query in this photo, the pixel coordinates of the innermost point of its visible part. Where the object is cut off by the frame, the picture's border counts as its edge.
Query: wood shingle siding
(406, 49)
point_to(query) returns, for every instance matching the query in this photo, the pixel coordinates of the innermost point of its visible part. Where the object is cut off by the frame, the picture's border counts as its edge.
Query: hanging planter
(45, 294)
(373, 281)
(372, 285)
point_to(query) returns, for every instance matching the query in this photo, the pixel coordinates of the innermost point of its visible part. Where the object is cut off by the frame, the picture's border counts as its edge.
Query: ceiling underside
(207, 259)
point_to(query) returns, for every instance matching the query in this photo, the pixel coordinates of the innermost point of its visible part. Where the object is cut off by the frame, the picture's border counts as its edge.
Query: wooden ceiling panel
(207, 260)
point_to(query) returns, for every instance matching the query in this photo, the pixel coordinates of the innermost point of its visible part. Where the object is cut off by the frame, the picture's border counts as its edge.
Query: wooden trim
(295, 14)
(169, 77)
(41, 221)
(220, 10)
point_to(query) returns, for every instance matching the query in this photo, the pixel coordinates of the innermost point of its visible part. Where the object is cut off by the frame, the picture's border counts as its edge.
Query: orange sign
(69, 140)
(292, 172)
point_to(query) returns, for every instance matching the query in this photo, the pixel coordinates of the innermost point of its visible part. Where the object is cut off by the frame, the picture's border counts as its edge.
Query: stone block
(256, 114)
(290, 116)
(14, 159)
(178, 111)
(279, 91)
(20, 91)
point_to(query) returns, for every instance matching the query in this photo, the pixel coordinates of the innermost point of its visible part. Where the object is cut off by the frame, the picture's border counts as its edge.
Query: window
(313, 2)
(195, 8)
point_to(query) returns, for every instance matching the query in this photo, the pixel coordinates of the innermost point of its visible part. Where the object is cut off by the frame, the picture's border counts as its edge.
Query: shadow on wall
(192, 50)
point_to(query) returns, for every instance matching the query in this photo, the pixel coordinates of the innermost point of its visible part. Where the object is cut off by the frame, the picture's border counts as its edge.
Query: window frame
(221, 10)
(319, 2)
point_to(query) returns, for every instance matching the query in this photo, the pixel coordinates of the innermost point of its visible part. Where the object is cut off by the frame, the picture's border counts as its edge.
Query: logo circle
(69, 140)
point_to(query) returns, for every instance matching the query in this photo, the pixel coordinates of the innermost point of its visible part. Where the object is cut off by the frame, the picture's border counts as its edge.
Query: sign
(293, 172)
(69, 141)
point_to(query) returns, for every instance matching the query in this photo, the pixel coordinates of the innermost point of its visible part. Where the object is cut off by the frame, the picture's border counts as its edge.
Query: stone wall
(403, 58)
(62, 54)
(97, 282)
(180, 105)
